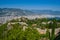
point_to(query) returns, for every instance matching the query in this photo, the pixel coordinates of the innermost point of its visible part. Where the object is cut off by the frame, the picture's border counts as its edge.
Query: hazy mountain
(14, 12)
(49, 12)
(21, 12)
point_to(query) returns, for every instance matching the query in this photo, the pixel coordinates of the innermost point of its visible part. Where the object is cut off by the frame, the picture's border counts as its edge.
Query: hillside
(26, 29)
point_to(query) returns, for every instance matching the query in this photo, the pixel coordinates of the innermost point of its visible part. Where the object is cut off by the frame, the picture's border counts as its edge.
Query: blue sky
(31, 4)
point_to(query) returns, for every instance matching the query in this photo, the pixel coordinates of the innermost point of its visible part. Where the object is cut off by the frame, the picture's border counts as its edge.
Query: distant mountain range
(49, 12)
(21, 12)
(14, 12)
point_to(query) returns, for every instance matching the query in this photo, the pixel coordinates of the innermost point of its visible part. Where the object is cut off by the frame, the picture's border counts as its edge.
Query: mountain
(21, 12)
(49, 12)
(14, 12)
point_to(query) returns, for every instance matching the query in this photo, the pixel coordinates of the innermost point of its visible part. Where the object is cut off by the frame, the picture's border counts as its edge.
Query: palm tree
(53, 26)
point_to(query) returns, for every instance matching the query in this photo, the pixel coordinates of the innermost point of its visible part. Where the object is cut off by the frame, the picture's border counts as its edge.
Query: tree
(53, 26)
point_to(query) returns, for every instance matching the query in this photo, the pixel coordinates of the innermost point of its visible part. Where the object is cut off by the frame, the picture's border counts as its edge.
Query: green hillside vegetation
(17, 32)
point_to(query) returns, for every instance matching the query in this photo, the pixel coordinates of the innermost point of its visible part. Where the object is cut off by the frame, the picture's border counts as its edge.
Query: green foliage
(2, 28)
(30, 33)
(14, 20)
(53, 26)
(17, 33)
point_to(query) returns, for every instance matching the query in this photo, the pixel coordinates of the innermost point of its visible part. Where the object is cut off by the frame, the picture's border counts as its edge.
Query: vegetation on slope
(17, 31)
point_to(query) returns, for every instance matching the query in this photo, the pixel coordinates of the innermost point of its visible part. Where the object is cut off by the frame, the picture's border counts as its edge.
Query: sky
(31, 4)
